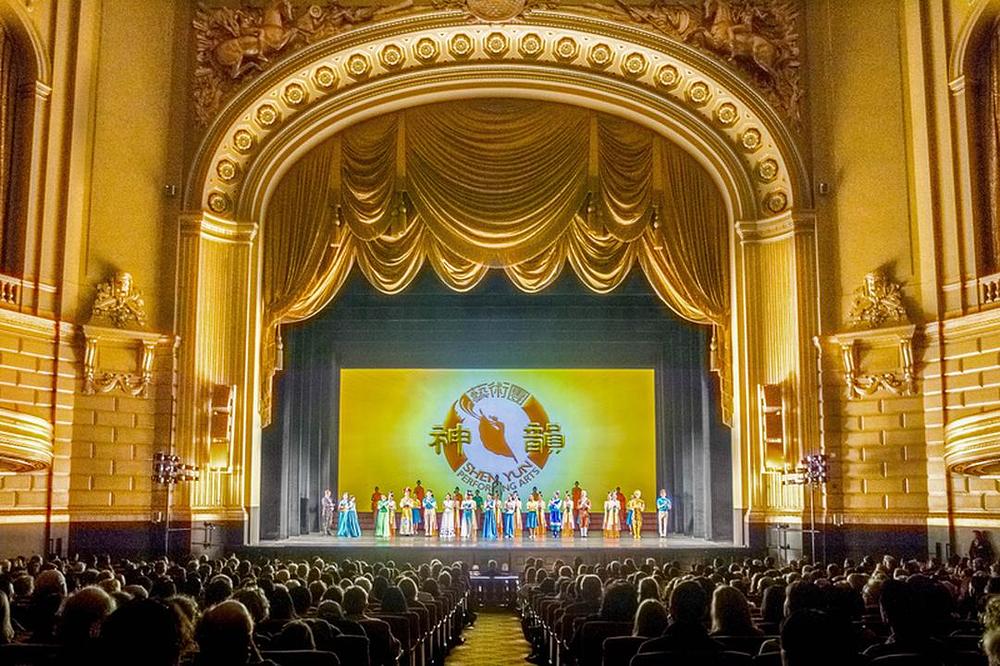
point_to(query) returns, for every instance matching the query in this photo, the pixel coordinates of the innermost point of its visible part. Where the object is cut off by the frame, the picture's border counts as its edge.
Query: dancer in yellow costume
(636, 506)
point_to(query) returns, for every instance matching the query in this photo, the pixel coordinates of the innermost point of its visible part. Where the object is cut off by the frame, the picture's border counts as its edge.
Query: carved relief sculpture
(758, 37)
(119, 302)
(877, 302)
(235, 43)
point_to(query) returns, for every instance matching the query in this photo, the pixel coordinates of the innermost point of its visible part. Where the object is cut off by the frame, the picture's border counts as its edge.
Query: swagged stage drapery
(473, 185)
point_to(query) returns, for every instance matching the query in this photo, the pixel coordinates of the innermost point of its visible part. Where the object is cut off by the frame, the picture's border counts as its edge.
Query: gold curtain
(524, 186)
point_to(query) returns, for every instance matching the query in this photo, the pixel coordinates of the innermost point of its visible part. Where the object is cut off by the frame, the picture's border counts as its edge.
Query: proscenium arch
(14, 15)
(982, 14)
(681, 94)
(678, 91)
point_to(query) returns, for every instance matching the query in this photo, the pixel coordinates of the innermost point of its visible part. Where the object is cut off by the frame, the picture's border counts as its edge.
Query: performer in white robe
(448, 518)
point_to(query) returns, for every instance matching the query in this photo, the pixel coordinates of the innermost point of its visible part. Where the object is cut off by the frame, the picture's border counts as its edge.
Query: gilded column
(216, 322)
(778, 320)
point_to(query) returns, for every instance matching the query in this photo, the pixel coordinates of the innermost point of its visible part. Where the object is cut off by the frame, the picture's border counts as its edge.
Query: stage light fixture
(168, 470)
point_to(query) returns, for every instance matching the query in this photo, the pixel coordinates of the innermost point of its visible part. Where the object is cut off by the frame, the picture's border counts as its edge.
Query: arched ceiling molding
(627, 71)
(980, 17)
(15, 16)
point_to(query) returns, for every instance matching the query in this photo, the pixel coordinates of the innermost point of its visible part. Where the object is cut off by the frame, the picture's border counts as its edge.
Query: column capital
(779, 227)
(219, 229)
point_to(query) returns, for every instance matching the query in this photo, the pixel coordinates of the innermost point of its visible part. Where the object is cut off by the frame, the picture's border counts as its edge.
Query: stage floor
(513, 552)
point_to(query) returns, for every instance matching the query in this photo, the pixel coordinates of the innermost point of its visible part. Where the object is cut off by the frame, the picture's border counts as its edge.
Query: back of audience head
(81, 615)
(688, 603)
(731, 612)
(225, 634)
(295, 635)
(619, 603)
(651, 619)
(143, 630)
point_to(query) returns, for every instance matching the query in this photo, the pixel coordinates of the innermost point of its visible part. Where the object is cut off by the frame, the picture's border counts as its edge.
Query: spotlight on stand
(812, 471)
(168, 470)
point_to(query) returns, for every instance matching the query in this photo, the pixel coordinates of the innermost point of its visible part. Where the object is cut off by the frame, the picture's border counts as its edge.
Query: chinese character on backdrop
(460, 437)
(439, 438)
(534, 438)
(554, 439)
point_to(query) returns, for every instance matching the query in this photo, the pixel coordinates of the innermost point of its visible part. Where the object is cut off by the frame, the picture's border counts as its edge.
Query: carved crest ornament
(877, 301)
(758, 38)
(119, 302)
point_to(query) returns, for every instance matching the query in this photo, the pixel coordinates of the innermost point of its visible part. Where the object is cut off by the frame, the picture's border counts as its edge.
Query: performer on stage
(406, 513)
(376, 498)
(430, 512)
(448, 518)
(468, 524)
(577, 494)
(555, 514)
(531, 520)
(478, 499)
(542, 514)
(418, 506)
(341, 514)
(583, 514)
(383, 521)
(508, 518)
(663, 507)
(456, 508)
(611, 525)
(496, 488)
(326, 513)
(517, 514)
(636, 506)
(622, 505)
(489, 518)
(567, 515)
(353, 526)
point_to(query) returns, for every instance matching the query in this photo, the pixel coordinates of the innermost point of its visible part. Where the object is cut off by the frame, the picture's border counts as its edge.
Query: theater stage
(513, 553)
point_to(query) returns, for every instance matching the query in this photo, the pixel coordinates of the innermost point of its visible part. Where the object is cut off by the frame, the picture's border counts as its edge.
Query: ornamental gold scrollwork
(234, 44)
(760, 39)
(135, 382)
(899, 381)
(119, 302)
(878, 301)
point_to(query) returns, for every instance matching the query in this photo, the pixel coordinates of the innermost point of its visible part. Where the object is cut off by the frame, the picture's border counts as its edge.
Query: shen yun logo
(497, 429)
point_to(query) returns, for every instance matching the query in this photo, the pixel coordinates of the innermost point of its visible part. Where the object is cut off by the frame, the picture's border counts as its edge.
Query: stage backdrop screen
(539, 427)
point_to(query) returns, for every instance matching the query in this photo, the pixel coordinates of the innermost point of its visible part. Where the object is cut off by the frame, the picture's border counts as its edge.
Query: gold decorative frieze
(134, 380)
(119, 302)
(972, 445)
(531, 45)
(25, 442)
(600, 55)
(235, 45)
(398, 49)
(898, 381)
(461, 46)
(876, 302)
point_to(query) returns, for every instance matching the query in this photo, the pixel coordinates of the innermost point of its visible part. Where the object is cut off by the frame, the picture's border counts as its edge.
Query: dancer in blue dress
(555, 515)
(489, 518)
(342, 515)
(508, 518)
(353, 526)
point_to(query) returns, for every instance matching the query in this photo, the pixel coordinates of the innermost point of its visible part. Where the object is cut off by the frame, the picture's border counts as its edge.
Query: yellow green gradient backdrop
(607, 417)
